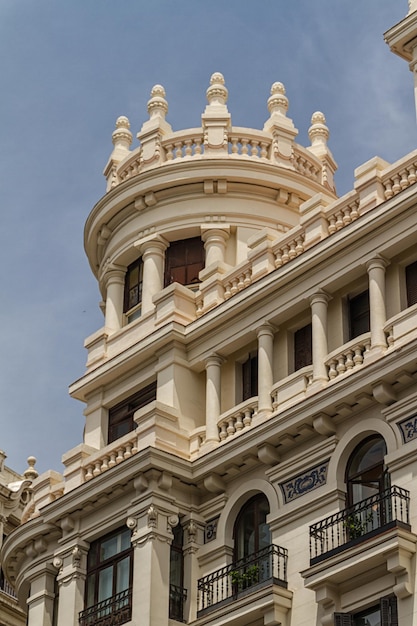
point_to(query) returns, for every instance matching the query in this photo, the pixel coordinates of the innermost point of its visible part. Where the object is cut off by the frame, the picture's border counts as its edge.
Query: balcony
(177, 598)
(110, 612)
(364, 520)
(243, 577)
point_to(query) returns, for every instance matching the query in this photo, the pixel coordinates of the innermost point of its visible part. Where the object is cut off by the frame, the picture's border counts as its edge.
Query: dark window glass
(251, 532)
(183, 261)
(383, 614)
(109, 569)
(121, 416)
(302, 347)
(250, 378)
(133, 285)
(366, 475)
(359, 321)
(411, 283)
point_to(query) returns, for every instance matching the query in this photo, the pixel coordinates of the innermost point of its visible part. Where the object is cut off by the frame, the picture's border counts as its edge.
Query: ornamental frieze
(304, 483)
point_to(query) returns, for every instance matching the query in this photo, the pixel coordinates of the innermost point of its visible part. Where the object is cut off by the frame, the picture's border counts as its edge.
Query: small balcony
(364, 520)
(110, 612)
(177, 598)
(243, 577)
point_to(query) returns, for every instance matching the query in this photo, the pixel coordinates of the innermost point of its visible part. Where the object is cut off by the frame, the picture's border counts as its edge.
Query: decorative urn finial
(157, 105)
(31, 473)
(278, 101)
(318, 131)
(217, 92)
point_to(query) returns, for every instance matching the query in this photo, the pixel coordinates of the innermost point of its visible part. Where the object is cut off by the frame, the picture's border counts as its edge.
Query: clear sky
(69, 68)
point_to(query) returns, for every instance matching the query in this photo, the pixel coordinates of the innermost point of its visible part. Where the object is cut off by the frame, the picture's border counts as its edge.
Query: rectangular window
(303, 347)
(183, 261)
(411, 283)
(250, 377)
(133, 285)
(109, 580)
(121, 419)
(359, 319)
(383, 614)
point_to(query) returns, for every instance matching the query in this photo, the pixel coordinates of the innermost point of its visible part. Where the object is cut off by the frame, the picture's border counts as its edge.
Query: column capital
(114, 274)
(151, 243)
(209, 232)
(320, 296)
(266, 328)
(214, 359)
(377, 262)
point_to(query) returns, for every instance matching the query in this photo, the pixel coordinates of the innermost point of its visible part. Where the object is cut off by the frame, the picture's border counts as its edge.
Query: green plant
(243, 579)
(356, 525)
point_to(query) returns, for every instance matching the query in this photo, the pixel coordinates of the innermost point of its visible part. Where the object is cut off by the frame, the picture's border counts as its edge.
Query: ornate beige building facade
(250, 444)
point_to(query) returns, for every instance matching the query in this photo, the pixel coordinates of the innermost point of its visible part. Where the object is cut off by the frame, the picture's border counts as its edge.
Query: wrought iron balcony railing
(110, 612)
(228, 583)
(177, 598)
(366, 518)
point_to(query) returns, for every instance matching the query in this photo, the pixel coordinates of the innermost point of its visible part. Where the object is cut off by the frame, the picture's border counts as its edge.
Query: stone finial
(3, 457)
(31, 473)
(122, 137)
(278, 101)
(217, 92)
(157, 105)
(318, 131)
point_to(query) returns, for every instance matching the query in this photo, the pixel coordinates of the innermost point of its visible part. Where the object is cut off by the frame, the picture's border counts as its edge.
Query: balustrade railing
(177, 598)
(108, 458)
(5, 587)
(110, 612)
(400, 177)
(368, 517)
(237, 419)
(349, 357)
(228, 583)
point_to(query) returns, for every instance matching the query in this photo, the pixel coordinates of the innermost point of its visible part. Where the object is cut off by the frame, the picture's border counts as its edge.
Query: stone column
(151, 561)
(376, 273)
(42, 595)
(193, 538)
(115, 284)
(215, 244)
(265, 335)
(213, 391)
(153, 256)
(318, 303)
(71, 580)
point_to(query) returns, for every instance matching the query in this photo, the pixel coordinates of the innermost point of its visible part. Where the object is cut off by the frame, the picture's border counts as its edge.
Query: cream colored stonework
(282, 251)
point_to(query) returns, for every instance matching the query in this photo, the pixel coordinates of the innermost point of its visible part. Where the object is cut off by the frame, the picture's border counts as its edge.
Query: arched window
(251, 531)
(366, 475)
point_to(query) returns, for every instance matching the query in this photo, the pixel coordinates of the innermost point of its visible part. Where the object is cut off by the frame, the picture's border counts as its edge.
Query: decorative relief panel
(303, 483)
(408, 428)
(210, 530)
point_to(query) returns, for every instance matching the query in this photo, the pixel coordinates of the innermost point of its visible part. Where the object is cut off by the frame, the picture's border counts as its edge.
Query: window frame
(126, 410)
(249, 376)
(303, 346)
(132, 310)
(357, 319)
(410, 276)
(187, 257)
(387, 607)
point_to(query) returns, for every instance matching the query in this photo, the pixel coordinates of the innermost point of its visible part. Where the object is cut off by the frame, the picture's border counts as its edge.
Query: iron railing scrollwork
(110, 612)
(266, 566)
(365, 518)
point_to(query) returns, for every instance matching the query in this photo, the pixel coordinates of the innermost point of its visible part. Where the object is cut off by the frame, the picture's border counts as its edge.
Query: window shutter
(359, 320)
(389, 611)
(183, 261)
(303, 347)
(411, 283)
(343, 619)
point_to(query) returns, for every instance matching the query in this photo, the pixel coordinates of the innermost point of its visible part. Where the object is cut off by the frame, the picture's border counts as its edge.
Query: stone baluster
(376, 274)
(318, 303)
(265, 335)
(115, 282)
(213, 391)
(153, 256)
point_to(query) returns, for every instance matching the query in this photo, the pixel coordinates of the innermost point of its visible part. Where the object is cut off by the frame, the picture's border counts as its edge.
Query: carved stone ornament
(152, 517)
(305, 482)
(131, 523)
(210, 531)
(173, 520)
(408, 428)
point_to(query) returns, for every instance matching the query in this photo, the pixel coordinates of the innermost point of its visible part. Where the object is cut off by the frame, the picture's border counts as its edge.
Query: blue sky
(69, 68)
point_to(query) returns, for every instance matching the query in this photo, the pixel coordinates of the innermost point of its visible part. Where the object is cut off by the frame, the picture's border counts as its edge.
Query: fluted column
(41, 598)
(318, 303)
(376, 274)
(214, 244)
(265, 335)
(115, 282)
(153, 257)
(213, 391)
